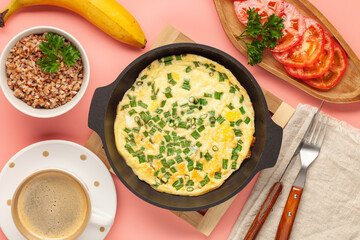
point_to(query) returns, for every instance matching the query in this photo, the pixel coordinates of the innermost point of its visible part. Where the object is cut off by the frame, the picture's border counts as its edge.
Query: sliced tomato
(294, 28)
(264, 7)
(335, 72)
(308, 50)
(320, 66)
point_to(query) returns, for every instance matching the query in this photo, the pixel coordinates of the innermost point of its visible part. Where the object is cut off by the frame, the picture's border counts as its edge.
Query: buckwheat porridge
(38, 88)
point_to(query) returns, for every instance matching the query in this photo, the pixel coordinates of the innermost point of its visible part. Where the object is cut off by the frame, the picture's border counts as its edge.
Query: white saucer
(70, 157)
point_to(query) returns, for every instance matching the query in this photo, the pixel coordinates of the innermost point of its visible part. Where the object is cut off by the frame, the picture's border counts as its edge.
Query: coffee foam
(52, 205)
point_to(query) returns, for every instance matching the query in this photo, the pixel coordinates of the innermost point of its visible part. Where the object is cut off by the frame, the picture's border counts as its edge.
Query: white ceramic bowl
(22, 106)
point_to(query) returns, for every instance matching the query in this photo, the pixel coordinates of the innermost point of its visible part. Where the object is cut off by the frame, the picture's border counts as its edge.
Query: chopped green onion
(225, 164)
(182, 125)
(170, 151)
(167, 175)
(186, 151)
(141, 158)
(152, 131)
(162, 124)
(162, 149)
(230, 106)
(156, 118)
(145, 117)
(132, 112)
(217, 175)
(173, 170)
(242, 110)
(220, 119)
(215, 148)
(232, 90)
(159, 110)
(133, 103)
(205, 181)
(125, 106)
(237, 132)
(168, 95)
(143, 105)
(209, 95)
(204, 116)
(169, 76)
(167, 138)
(233, 165)
(186, 84)
(178, 57)
(172, 82)
(221, 77)
(198, 144)
(167, 114)
(238, 122)
(208, 156)
(179, 159)
(143, 77)
(242, 99)
(197, 64)
(232, 124)
(203, 101)
(247, 120)
(171, 162)
(188, 69)
(190, 165)
(162, 104)
(195, 134)
(199, 166)
(217, 95)
(127, 130)
(201, 128)
(184, 105)
(168, 58)
(234, 157)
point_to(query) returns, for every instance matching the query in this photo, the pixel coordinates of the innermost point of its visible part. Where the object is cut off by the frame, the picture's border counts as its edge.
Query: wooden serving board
(347, 90)
(204, 221)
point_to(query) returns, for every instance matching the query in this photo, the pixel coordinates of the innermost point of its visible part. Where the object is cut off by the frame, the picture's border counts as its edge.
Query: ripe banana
(108, 15)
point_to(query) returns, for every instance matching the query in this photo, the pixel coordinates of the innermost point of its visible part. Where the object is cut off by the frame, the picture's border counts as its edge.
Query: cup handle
(100, 219)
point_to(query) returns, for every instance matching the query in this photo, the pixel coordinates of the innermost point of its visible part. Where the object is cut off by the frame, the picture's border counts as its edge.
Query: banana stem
(2, 15)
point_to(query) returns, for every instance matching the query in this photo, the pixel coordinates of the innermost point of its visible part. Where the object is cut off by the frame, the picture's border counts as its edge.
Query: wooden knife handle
(264, 211)
(288, 216)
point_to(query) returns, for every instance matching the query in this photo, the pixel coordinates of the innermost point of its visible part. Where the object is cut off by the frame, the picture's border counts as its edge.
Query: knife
(275, 190)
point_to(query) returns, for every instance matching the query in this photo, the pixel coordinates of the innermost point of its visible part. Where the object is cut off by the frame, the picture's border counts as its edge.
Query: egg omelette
(185, 125)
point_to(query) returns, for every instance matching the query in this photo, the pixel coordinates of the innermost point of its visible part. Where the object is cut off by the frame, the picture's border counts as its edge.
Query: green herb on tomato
(264, 35)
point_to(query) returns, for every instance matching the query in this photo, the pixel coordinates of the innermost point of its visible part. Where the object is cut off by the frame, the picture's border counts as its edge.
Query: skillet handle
(98, 107)
(273, 138)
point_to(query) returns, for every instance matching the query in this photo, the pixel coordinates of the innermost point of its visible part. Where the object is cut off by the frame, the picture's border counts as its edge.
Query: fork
(308, 153)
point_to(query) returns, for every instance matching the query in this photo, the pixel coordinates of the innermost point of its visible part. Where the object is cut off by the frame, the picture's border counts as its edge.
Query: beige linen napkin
(330, 204)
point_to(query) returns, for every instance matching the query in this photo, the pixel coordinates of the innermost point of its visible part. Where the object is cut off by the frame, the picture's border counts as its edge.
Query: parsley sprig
(264, 35)
(53, 48)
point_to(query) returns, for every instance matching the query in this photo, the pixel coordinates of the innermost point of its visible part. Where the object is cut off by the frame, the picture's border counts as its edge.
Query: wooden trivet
(204, 221)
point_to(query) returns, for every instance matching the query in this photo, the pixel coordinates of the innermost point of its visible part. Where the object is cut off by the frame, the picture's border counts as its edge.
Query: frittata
(185, 125)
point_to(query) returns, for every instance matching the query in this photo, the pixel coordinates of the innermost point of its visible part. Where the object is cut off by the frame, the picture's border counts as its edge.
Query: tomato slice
(264, 7)
(308, 50)
(335, 72)
(320, 66)
(294, 28)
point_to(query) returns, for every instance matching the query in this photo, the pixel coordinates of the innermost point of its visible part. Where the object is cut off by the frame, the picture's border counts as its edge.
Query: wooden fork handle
(289, 213)
(264, 211)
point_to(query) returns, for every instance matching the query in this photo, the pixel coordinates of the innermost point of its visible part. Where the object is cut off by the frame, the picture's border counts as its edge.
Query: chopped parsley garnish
(52, 48)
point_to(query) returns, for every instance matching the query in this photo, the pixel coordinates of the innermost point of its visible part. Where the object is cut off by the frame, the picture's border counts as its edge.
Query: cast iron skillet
(263, 154)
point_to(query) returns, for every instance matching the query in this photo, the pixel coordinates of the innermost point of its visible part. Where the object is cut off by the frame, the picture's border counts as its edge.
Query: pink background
(198, 19)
